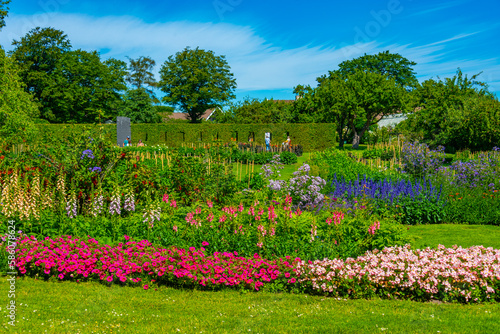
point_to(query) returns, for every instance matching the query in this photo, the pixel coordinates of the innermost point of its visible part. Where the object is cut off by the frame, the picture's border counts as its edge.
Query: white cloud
(454, 38)
(256, 64)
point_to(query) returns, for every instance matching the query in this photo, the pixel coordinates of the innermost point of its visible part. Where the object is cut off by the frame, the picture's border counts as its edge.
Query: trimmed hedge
(311, 136)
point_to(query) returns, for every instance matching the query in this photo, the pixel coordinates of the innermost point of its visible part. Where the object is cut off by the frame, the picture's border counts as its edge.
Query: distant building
(391, 120)
(184, 116)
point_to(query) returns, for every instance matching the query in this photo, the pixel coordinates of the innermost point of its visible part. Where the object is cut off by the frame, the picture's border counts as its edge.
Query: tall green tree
(86, 89)
(70, 86)
(196, 80)
(38, 54)
(141, 75)
(355, 102)
(140, 72)
(4, 10)
(446, 110)
(138, 106)
(392, 65)
(17, 109)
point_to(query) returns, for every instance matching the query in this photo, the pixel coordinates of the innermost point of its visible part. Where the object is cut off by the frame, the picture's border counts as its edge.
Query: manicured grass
(451, 234)
(50, 307)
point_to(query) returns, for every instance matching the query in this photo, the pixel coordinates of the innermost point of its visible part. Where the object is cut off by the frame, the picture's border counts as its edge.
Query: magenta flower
(204, 243)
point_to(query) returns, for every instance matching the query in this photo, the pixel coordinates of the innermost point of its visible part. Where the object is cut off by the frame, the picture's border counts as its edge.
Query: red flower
(135, 176)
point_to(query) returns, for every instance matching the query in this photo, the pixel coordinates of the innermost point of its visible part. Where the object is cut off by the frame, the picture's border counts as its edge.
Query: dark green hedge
(311, 136)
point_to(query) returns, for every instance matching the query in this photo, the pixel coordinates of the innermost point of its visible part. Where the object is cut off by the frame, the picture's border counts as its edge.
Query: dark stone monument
(122, 130)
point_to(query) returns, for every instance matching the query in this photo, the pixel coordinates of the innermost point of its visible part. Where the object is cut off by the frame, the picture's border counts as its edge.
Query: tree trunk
(357, 136)
(341, 138)
(355, 141)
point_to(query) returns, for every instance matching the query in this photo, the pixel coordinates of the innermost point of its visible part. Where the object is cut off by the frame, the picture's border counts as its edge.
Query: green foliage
(3, 12)
(138, 106)
(71, 86)
(255, 111)
(196, 80)
(356, 95)
(385, 153)
(141, 76)
(38, 54)
(192, 180)
(457, 112)
(17, 109)
(140, 72)
(392, 65)
(342, 164)
(355, 102)
(288, 158)
(311, 137)
(88, 89)
(472, 205)
(363, 96)
(420, 210)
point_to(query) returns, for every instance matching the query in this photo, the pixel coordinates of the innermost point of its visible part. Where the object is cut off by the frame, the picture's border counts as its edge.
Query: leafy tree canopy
(354, 102)
(17, 109)
(196, 80)
(138, 106)
(447, 106)
(141, 75)
(255, 111)
(393, 65)
(140, 72)
(3, 12)
(71, 86)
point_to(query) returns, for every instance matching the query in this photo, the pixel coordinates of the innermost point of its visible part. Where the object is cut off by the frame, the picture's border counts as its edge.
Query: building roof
(180, 115)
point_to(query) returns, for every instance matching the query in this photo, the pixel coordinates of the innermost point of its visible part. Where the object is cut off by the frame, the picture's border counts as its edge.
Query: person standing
(268, 141)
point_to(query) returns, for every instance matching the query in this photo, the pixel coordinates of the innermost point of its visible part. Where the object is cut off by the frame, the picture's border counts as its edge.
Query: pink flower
(204, 243)
(146, 286)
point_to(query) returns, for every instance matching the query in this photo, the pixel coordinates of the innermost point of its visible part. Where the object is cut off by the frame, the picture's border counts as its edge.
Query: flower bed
(135, 262)
(448, 274)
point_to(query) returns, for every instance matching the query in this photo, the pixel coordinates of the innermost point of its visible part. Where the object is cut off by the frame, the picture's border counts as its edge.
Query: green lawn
(48, 307)
(449, 235)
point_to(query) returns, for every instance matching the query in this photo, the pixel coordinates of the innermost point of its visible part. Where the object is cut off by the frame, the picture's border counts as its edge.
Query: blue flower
(88, 154)
(95, 169)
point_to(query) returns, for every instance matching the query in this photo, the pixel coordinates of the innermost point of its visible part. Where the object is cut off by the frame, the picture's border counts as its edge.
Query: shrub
(288, 158)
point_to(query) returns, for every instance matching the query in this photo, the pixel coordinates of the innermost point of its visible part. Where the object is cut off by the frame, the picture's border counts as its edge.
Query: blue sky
(273, 46)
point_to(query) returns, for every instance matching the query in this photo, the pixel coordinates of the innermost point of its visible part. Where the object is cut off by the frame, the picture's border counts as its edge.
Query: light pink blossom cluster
(133, 262)
(464, 274)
